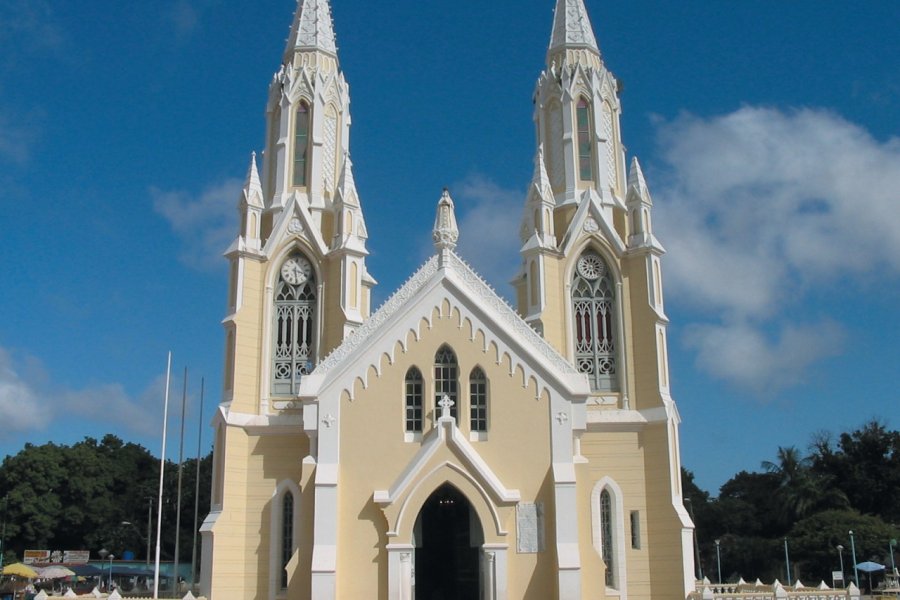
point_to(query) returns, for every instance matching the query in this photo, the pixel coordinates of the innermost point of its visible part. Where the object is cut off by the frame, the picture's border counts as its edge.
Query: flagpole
(197, 489)
(177, 562)
(162, 465)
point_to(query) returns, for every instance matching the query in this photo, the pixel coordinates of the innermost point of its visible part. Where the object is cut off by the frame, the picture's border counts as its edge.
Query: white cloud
(26, 399)
(20, 409)
(488, 218)
(763, 210)
(206, 224)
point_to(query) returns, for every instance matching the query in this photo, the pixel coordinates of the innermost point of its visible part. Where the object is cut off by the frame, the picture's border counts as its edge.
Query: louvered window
(301, 144)
(294, 334)
(593, 311)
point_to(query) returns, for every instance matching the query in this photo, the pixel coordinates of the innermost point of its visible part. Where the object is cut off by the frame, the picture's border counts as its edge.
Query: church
(446, 445)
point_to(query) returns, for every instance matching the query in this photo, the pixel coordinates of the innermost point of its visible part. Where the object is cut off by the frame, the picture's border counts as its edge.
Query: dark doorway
(448, 544)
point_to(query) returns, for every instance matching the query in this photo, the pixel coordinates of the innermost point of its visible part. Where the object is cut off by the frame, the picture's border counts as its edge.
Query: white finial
(445, 233)
(572, 27)
(446, 404)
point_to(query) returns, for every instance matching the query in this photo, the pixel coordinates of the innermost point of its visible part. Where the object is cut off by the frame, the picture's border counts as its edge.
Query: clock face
(296, 271)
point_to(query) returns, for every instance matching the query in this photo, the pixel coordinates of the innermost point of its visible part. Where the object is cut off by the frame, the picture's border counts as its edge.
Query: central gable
(446, 287)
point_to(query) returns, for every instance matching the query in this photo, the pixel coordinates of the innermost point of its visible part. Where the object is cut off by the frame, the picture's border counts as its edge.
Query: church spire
(312, 28)
(571, 28)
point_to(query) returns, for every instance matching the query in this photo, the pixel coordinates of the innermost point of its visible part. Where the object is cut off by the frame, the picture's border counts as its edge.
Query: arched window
(585, 141)
(287, 535)
(294, 333)
(301, 144)
(606, 536)
(446, 380)
(478, 400)
(593, 311)
(414, 389)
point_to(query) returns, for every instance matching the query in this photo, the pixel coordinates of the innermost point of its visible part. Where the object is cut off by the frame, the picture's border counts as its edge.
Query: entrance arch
(448, 538)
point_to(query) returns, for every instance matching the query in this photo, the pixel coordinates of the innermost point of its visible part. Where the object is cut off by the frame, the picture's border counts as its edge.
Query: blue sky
(769, 133)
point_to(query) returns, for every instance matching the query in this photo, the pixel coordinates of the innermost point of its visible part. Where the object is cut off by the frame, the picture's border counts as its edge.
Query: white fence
(760, 591)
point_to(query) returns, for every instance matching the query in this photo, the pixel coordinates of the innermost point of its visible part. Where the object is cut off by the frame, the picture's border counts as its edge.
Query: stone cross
(562, 418)
(445, 405)
(328, 421)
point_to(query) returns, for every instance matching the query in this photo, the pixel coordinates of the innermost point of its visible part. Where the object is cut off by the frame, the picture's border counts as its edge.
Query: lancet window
(446, 379)
(287, 535)
(606, 536)
(414, 395)
(585, 141)
(478, 400)
(593, 310)
(301, 144)
(294, 333)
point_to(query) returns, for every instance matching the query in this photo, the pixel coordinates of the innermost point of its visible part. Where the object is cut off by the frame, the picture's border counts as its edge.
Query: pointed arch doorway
(448, 540)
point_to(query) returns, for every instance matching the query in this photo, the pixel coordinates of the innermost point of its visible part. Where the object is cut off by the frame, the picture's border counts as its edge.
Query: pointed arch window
(593, 310)
(446, 380)
(287, 535)
(301, 144)
(414, 395)
(294, 334)
(606, 536)
(478, 401)
(585, 141)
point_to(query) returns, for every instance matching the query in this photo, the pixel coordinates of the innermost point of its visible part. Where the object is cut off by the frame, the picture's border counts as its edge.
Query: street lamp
(103, 552)
(719, 561)
(853, 549)
(891, 548)
(109, 581)
(840, 550)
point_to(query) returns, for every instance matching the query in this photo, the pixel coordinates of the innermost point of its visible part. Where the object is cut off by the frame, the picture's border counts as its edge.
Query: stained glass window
(301, 144)
(585, 141)
(606, 535)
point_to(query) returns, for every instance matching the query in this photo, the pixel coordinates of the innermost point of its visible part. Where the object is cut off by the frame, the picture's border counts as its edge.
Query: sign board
(837, 576)
(31, 557)
(76, 557)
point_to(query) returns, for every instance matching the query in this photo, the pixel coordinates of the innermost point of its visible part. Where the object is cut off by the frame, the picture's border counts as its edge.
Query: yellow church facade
(446, 445)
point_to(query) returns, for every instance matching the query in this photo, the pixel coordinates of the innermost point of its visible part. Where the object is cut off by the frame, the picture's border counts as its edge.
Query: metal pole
(3, 534)
(853, 549)
(162, 466)
(197, 489)
(840, 550)
(177, 560)
(890, 547)
(109, 580)
(787, 561)
(719, 561)
(149, 527)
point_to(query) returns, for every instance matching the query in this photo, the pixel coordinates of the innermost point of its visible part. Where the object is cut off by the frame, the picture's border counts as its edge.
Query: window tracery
(294, 334)
(593, 310)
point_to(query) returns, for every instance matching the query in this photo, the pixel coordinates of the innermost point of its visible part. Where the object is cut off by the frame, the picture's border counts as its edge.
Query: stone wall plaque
(530, 528)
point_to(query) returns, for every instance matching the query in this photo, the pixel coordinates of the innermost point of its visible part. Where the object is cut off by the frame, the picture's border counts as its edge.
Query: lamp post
(840, 550)
(3, 534)
(719, 561)
(891, 545)
(103, 552)
(787, 561)
(109, 581)
(853, 550)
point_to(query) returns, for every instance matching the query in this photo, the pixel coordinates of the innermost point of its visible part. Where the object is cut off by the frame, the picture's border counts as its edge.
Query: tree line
(809, 501)
(96, 495)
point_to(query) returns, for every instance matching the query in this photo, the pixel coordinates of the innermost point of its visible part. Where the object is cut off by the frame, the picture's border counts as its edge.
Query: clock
(296, 271)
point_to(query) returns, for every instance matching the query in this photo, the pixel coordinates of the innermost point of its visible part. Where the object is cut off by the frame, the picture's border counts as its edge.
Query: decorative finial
(446, 233)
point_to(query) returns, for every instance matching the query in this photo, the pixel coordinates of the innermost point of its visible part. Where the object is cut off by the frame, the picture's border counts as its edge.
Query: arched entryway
(448, 539)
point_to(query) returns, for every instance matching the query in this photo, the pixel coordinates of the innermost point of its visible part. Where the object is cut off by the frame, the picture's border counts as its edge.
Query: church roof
(312, 28)
(572, 27)
(494, 310)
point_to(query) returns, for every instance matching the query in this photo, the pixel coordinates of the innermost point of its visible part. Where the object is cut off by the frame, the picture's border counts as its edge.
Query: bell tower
(590, 263)
(299, 282)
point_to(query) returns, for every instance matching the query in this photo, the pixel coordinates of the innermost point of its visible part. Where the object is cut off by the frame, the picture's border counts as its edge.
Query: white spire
(541, 181)
(313, 28)
(346, 187)
(253, 193)
(637, 182)
(446, 233)
(572, 27)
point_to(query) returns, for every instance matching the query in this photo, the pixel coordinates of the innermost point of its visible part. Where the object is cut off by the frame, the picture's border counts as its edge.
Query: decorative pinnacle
(445, 233)
(252, 187)
(637, 182)
(572, 27)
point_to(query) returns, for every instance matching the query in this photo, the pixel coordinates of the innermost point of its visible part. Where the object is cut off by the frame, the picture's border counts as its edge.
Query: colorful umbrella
(20, 570)
(54, 572)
